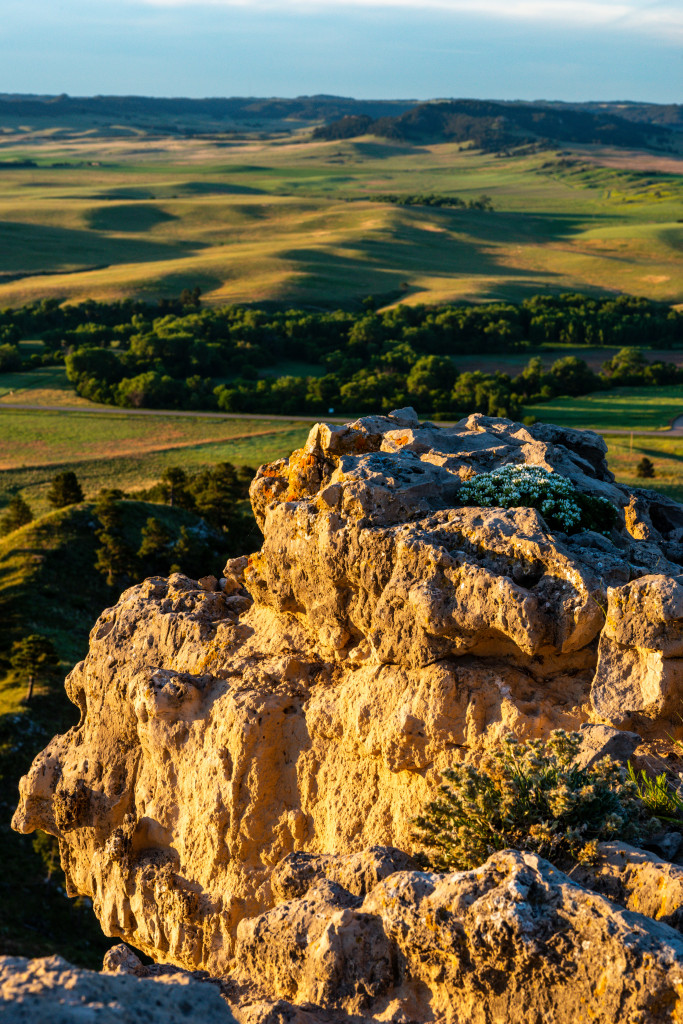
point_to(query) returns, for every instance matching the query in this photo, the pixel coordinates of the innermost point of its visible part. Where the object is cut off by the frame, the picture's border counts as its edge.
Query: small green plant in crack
(562, 506)
(530, 796)
(658, 794)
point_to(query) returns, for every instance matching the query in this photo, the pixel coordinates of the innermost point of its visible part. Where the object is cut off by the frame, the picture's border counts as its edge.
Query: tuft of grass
(659, 796)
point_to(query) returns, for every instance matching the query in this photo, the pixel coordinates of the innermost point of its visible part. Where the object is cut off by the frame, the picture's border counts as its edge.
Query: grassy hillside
(295, 221)
(48, 585)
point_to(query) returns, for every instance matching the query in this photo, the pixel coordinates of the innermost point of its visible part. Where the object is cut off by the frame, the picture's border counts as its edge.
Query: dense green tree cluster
(222, 520)
(484, 202)
(65, 490)
(179, 355)
(18, 513)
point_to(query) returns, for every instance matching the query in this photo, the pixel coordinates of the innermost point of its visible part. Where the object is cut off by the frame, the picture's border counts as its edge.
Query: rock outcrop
(513, 941)
(53, 992)
(307, 703)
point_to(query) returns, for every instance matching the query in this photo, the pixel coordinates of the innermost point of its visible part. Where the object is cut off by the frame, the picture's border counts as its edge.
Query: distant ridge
(142, 109)
(496, 126)
(490, 124)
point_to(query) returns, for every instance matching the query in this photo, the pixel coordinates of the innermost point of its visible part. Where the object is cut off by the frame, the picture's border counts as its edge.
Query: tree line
(179, 355)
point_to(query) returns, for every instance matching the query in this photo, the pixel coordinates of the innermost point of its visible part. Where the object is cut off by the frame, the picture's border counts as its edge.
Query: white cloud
(660, 18)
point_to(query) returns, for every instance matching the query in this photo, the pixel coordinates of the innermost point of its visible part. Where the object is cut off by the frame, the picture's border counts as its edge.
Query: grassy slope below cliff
(48, 585)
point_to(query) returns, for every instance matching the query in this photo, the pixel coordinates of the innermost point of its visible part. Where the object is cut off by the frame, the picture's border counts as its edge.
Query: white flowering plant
(555, 496)
(530, 796)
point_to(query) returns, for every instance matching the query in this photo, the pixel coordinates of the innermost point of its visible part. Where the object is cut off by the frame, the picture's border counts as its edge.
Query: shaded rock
(358, 873)
(598, 741)
(53, 991)
(670, 844)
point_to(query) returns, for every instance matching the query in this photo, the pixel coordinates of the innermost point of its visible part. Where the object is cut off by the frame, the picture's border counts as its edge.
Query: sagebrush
(530, 796)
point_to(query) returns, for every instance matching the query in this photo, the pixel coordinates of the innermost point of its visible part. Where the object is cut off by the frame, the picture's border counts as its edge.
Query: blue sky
(502, 49)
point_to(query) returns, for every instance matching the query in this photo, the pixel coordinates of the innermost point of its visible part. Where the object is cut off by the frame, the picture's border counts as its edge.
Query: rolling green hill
(294, 220)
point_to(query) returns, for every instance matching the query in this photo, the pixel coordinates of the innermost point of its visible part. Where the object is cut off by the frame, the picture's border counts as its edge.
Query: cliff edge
(306, 704)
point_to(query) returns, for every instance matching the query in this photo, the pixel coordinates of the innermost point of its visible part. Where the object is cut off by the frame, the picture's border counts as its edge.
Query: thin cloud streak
(662, 19)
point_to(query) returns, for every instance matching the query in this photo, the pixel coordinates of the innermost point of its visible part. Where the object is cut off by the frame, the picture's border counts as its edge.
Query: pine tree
(645, 468)
(155, 548)
(18, 514)
(65, 490)
(183, 552)
(174, 480)
(115, 559)
(35, 656)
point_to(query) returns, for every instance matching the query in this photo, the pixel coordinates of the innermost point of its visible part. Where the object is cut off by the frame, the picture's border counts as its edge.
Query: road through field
(116, 411)
(675, 430)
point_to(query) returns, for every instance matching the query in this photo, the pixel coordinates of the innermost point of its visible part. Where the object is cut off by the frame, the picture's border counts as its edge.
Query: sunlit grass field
(127, 451)
(618, 409)
(665, 453)
(295, 222)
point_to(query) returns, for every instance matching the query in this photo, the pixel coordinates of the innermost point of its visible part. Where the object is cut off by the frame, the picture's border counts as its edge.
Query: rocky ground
(252, 751)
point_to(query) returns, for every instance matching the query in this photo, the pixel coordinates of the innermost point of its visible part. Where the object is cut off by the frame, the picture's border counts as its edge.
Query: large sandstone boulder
(309, 702)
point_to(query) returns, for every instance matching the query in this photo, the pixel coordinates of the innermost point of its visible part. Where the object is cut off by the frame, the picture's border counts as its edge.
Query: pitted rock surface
(52, 991)
(307, 703)
(513, 941)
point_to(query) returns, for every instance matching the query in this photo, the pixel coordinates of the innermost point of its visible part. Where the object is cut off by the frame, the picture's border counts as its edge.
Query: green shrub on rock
(530, 796)
(561, 505)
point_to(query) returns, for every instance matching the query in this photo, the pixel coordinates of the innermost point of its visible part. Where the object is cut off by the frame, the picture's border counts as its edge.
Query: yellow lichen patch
(302, 467)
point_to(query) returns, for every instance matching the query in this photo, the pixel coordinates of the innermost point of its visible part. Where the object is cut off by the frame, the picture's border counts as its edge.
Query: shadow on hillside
(391, 262)
(505, 226)
(385, 150)
(201, 188)
(656, 454)
(421, 242)
(138, 217)
(27, 248)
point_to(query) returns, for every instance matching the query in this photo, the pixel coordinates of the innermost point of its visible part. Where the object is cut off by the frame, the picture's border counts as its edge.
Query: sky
(383, 49)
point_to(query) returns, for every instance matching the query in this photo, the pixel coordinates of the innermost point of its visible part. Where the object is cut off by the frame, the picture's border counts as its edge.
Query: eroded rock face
(637, 880)
(309, 704)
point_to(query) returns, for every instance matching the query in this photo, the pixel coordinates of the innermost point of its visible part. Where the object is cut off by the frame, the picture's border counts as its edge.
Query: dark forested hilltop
(198, 114)
(487, 123)
(495, 126)
(670, 115)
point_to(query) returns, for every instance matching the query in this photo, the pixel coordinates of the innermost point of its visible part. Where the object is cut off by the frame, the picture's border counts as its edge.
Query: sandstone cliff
(309, 701)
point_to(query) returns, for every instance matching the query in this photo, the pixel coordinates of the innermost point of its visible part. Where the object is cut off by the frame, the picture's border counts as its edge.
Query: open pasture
(294, 221)
(127, 451)
(665, 453)
(627, 409)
